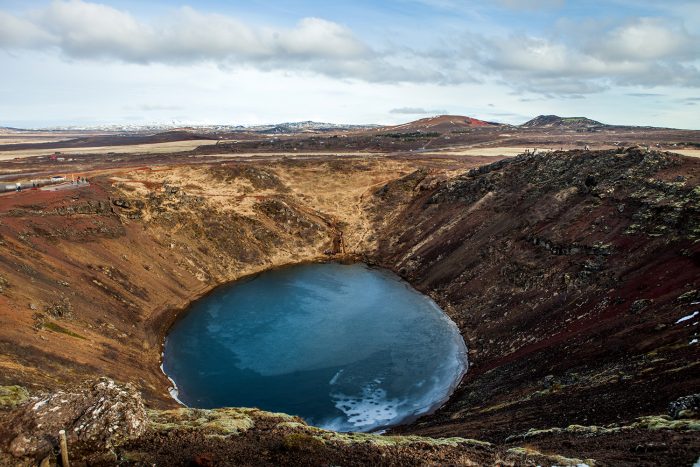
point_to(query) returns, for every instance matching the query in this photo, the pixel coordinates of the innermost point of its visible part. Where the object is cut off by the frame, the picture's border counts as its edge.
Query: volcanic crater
(570, 275)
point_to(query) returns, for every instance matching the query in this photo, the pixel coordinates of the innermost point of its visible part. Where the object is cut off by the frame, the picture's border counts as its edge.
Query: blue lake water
(346, 347)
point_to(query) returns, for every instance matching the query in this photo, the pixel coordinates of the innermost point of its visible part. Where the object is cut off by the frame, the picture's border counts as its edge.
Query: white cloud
(318, 37)
(644, 39)
(17, 32)
(641, 52)
(574, 59)
(416, 111)
(84, 30)
(537, 56)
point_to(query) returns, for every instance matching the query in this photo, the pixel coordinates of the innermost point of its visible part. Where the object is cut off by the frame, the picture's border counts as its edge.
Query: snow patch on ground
(174, 392)
(690, 316)
(40, 404)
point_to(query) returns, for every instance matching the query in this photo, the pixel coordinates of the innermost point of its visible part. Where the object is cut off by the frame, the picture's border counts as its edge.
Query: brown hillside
(441, 124)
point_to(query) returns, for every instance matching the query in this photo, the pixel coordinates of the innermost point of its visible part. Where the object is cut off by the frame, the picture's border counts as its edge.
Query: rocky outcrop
(685, 407)
(106, 424)
(96, 419)
(554, 121)
(258, 177)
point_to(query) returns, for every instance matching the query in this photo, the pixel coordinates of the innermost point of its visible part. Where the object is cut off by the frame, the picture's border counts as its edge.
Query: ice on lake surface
(346, 347)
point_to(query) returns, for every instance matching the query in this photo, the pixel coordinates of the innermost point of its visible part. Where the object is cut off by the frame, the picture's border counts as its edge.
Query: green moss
(381, 440)
(554, 459)
(229, 425)
(521, 451)
(56, 328)
(578, 429)
(292, 425)
(664, 422)
(12, 396)
(220, 422)
(4, 284)
(238, 420)
(302, 442)
(257, 413)
(656, 422)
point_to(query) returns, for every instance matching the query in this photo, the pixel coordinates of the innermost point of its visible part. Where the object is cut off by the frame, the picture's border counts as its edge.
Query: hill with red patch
(442, 124)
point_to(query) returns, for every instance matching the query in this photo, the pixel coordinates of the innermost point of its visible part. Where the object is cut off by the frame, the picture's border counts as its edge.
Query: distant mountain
(9, 129)
(555, 121)
(276, 128)
(125, 139)
(305, 127)
(128, 129)
(441, 124)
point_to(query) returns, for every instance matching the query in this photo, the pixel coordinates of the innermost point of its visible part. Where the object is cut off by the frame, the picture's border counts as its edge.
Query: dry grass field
(155, 148)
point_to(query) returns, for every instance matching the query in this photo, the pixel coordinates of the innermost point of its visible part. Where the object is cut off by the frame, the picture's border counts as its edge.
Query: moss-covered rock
(12, 396)
(221, 422)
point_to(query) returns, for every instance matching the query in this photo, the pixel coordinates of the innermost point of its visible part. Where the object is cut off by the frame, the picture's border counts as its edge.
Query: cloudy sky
(77, 62)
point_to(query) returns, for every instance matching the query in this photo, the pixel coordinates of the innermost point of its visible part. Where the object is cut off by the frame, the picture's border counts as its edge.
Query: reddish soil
(442, 123)
(567, 274)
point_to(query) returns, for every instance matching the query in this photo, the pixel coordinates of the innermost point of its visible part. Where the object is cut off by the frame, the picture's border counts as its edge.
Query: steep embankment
(92, 276)
(569, 275)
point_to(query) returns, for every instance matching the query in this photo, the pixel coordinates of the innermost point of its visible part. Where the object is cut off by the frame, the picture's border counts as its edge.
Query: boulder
(685, 407)
(96, 417)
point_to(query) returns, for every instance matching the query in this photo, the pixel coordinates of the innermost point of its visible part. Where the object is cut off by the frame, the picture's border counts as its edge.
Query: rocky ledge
(107, 424)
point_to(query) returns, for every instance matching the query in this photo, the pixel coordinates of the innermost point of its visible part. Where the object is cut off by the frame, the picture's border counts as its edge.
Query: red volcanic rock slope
(574, 277)
(441, 123)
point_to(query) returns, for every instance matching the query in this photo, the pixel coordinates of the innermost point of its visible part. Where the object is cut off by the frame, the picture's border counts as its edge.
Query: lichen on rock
(11, 396)
(96, 418)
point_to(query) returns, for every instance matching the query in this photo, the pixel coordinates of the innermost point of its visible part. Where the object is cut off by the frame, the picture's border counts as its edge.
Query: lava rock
(640, 305)
(170, 190)
(689, 297)
(685, 407)
(122, 203)
(96, 417)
